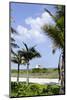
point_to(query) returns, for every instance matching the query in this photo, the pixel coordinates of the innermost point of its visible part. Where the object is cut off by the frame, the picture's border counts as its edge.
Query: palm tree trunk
(62, 77)
(18, 74)
(63, 63)
(59, 68)
(27, 73)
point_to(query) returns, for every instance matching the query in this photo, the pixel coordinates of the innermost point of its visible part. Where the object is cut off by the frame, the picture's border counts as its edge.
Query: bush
(55, 69)
(14, 87)
(39, 70)
(33, 89)
(44, 90)
(54, 89)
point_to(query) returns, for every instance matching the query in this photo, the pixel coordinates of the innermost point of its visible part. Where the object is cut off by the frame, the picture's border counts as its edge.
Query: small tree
(29, 54)
(18, 59)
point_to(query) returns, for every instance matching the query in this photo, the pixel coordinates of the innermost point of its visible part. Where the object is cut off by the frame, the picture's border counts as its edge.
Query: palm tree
(56, 33)
(18, 59)
(13, 44)
(28, 54)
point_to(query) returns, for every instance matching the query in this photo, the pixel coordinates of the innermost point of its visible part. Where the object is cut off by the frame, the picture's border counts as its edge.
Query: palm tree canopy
(29, 53)
(60, 11)
(18, 59)
(13, 44)
(56, 32)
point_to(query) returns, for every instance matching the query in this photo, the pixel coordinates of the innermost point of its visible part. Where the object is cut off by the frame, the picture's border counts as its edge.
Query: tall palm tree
(56, 33)
(18, 59)
(29, 54)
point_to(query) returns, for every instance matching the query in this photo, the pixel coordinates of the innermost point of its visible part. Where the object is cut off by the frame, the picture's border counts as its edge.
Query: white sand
(37, 80)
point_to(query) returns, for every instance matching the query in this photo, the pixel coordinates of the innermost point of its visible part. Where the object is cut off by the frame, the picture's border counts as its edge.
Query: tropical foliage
(56, 33)
(13, 44)
(23, 57)
(33, 89)
(18, 59)
(29, 54)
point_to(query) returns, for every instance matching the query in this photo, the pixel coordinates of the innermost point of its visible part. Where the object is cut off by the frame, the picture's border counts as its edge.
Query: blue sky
(28, 20)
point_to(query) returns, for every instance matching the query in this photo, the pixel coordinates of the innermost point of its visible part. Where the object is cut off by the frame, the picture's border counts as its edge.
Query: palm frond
(12, 51)
(14, 59)
(13, 30)
(32, 48)
(12, 39)
(60, 11)
(17, 58)
(54, 47)
(55, 34)
(29, 53)
(25, 46)
(36, 54)
(60, 24)
(54, 18)
(14, 45)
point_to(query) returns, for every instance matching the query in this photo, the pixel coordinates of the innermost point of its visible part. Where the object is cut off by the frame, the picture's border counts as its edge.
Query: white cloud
(45, 18)
(23, 31)
(35, 24)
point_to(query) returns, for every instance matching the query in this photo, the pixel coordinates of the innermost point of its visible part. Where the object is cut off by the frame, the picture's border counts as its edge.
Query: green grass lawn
(33, 89)
(37, 73)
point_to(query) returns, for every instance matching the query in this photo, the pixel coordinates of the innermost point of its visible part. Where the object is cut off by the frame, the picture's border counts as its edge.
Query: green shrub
(14, 86)
(39, 70)
(33, 89)
(54, 89)
(55, 69)
(44, 90)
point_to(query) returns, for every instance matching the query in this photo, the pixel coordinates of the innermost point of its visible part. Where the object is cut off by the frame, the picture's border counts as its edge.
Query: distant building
(39, 66)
